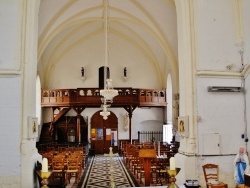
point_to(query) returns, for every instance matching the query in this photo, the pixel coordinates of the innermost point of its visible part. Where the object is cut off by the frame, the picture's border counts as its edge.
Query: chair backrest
(211, 172)
(58, 163)
(73, 164)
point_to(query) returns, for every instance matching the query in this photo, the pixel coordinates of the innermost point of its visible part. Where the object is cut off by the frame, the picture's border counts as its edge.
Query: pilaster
(29, 154)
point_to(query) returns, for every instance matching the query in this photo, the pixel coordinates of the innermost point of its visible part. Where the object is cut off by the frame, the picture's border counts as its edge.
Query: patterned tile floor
(100, 169)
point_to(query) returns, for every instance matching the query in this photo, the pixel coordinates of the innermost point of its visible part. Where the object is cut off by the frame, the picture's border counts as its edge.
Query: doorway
(104, 133)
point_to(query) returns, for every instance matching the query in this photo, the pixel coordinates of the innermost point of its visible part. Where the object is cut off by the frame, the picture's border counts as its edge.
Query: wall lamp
(125, 73)
(82, 73)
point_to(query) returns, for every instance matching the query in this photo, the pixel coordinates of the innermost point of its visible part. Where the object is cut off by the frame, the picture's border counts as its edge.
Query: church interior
(165, 81)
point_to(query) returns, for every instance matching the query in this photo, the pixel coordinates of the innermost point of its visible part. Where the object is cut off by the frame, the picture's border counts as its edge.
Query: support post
(78, 128)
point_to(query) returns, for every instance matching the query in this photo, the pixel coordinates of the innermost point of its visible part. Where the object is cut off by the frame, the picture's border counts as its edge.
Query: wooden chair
(211, 174)
(58, 164)
(73, 169)
(139, 169)
(82, 158)
(129, 154)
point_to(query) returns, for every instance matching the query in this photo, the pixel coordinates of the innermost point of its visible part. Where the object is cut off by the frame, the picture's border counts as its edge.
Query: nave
(72, 167)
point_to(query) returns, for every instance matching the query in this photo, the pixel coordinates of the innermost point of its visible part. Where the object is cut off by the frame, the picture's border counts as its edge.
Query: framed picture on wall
(100, 134)
(93, 134)
(108, 134)
(183, 127)
(32, 127)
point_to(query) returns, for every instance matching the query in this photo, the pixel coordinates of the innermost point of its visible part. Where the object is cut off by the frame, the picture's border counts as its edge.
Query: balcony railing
(90, 97)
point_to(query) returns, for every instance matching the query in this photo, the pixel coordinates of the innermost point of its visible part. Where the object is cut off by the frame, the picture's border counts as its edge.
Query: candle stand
(44, 176)
(172, 179)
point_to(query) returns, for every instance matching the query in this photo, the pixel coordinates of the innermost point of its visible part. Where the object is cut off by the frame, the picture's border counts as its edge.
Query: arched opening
(104, 133)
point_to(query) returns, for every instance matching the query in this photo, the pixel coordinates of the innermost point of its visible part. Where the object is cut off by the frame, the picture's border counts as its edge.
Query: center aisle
(98, 173)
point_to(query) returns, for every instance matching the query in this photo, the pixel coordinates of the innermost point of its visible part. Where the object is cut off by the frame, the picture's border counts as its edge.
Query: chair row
(135, 164)
(66, 164)
(59, 148)
(68, 167)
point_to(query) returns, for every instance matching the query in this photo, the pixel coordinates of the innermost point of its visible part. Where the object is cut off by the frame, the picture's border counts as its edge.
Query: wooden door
(104, 133)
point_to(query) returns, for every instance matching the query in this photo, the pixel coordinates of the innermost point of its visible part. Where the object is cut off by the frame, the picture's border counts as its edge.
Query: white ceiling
(150, 25)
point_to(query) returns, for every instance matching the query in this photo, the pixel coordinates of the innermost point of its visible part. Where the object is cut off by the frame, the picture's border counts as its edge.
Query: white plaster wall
(10, 34)
(215, 35)
(66, 72)
(246, 22)
(220, 112)
(10, 117)
(10, 95)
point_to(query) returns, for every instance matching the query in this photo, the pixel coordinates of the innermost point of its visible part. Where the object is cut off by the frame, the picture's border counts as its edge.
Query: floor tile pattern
(98, 173)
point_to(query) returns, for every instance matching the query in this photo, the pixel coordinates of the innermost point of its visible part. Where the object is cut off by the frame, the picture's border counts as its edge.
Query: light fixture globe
(105, 113)
(109, 93)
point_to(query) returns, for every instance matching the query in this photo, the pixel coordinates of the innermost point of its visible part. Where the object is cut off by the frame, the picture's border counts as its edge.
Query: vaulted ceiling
(148, 25)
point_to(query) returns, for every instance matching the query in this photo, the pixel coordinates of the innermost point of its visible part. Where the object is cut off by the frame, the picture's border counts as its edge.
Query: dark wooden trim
(90, 97)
